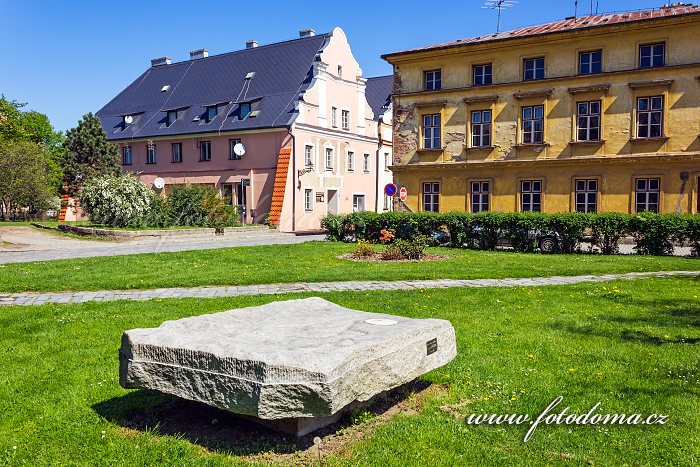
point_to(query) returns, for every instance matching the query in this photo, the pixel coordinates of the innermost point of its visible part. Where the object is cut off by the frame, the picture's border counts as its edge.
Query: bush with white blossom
(120, 201)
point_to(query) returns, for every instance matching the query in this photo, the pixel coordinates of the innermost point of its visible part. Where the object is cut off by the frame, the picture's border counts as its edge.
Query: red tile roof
(569, 24)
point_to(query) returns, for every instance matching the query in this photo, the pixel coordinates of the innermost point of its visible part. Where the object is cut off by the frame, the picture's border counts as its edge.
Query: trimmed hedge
(654, 234)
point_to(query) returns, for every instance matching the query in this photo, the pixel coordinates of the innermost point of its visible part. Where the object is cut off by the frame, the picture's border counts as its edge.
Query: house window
(176, 151)
(126, 155)
(433, 80)
(533, 69)
(334, 117)
(481, 128)
(366, 160)
(531, 195)
(431, 131)
(590, 62)
(351, 161)
(205, 151)
(243, 110)
(588, 121)
(329, 159)
(308, 200)
(650, 116)
(652, 55)
(231, 149)
(211, 113)
(227, 194)
(647, 194)
(482, 75)
(480, 196)
(431, 196)
(308, 156)
(345, 119)
(151, 154)
(533, 124)
(172, 116)
(387, 161)
(587, 195)
(358, 203)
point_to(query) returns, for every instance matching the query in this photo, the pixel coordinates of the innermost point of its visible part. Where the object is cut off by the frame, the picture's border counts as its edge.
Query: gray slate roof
(378, 94)
(282, 71)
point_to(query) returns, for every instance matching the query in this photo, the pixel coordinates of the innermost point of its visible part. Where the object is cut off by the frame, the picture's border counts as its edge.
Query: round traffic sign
(390, 189)
(403, 194)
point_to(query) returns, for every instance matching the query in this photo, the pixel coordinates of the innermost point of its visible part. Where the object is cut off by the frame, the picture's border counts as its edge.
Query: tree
(18, 125)
(25, 172)
(88, 153)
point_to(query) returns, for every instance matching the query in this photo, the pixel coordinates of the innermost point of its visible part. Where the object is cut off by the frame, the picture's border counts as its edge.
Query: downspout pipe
(294, 178)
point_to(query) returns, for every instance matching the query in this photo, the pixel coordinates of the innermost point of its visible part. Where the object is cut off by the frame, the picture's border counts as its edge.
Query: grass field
(631, 345)
(309, 262)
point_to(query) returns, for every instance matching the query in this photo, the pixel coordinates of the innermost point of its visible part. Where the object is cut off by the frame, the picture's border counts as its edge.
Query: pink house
(288, 132)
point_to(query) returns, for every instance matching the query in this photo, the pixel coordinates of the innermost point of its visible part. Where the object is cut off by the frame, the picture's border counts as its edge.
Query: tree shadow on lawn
(667, 313)
(224, 432)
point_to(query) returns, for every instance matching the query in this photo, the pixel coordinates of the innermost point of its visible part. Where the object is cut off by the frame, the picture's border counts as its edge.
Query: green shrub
(607, 229)
(414, 248)
(186, 205)
(486, 229)
(392, 253)
(690, 232)
(569, 227)
(363, 249)
(653, 233)
(119, 201)
(333, 225)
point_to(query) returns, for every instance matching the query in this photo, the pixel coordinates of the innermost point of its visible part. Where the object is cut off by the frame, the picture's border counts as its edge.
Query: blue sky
(69, 58)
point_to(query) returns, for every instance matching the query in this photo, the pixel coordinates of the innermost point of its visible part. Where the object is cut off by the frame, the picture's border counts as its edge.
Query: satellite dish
(128, 119)
(159, 183)
(239, 149)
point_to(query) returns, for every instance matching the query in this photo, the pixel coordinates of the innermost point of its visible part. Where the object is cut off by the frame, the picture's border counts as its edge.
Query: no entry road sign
(403, 194)
(390, 189)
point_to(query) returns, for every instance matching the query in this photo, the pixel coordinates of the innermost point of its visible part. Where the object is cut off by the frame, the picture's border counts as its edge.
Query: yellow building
(597, 113)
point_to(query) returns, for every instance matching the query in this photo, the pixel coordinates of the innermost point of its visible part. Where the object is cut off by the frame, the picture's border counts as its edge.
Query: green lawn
(631, 345)
(310, 262)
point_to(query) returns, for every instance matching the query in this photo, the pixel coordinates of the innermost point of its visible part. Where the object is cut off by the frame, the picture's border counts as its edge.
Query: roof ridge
(265, 46)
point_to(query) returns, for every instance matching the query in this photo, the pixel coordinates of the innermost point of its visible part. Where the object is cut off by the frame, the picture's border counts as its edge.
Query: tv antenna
(499, 5)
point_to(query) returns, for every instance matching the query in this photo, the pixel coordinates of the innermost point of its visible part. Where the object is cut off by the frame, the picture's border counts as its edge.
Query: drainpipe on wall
(294, 181)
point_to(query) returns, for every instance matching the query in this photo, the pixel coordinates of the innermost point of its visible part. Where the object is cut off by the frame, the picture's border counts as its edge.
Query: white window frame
(479, 71)
(481, 130)
(529, 137)
(328, 158)
(535, 68)
(308, 161)
(350, 161)
(648, 114)
(480, 201)
(432, 80)
(584, 189)
(430, 201)
(127, 155)
(366, 162)
(355, 198)
(308, 199)
(528, 196)
(334, 117)
(387, 161)
(345, 119)
(652, 48)
(584, 119)
(645, 192)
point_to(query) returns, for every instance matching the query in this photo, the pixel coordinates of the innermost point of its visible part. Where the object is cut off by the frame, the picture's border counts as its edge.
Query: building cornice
(545, 162)
(213, 134)
(337, 134)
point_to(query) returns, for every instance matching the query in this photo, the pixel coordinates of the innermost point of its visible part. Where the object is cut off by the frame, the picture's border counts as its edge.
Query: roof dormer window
(211, 113)
(172, 117)
(243, 110)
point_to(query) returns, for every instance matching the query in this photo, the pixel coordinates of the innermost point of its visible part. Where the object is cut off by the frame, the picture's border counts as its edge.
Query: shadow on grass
(224, 432)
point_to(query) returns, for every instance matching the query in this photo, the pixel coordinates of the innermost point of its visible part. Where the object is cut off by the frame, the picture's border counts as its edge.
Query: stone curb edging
(135, 234)
(321, 287)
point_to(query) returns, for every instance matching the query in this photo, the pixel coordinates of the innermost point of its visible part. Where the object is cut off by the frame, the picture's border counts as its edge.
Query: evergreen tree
(89, 153)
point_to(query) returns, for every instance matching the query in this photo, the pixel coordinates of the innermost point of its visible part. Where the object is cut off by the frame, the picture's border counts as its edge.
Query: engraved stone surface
(296, 363)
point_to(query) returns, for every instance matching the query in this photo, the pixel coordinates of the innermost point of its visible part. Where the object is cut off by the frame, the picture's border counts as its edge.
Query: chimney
(307, 33)
(199, 53)
(251, 44)
(160, 61)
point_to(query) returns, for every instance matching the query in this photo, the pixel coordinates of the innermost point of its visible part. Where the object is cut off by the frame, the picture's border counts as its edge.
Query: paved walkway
(273, 289)
(30, 244)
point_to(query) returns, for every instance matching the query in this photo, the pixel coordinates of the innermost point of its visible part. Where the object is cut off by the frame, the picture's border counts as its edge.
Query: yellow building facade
(600, 113)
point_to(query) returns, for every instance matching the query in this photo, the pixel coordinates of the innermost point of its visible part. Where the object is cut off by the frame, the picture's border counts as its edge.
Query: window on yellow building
(480, 196)
(533, 68)
(588, 121)
(433, 80)
(531, 195)
(650, 116)
(587, 195)
(481, 128)
(647, 191)
(533, 124)
(431, 131)
(483, 75)
(431, 196)
(590, 62)
(652, 55)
